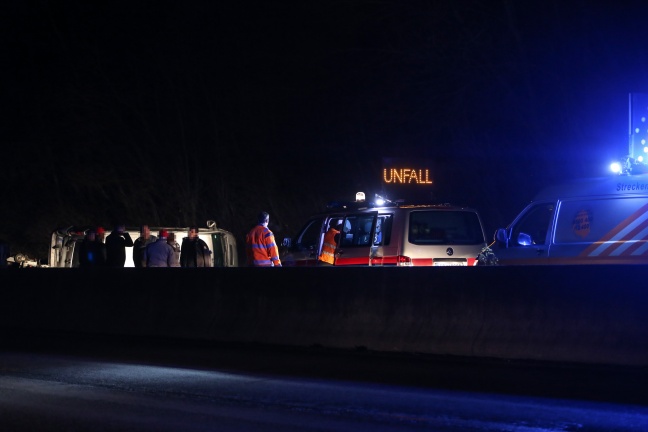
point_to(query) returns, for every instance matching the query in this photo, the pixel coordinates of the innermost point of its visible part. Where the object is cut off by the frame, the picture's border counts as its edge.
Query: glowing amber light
(406, 176)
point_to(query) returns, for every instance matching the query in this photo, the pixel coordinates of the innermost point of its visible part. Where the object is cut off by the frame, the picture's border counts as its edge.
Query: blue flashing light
(640, 159)
(615, 167)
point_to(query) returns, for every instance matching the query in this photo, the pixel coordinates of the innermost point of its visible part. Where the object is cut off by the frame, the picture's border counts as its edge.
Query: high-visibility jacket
(261, 248)
(328, 248)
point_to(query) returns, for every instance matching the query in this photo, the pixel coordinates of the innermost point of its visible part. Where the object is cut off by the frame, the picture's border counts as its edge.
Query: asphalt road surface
(68, 383)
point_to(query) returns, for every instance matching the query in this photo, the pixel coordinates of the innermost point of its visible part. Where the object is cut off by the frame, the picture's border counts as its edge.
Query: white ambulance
(222, 244)
(589, 221)
(391, 235)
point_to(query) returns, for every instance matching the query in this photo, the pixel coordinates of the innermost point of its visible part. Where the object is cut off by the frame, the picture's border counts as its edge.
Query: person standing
(176, 249)
(194, 252)
(139, 247)
(159, 253)
(101, 234)
(92, 253)
(261, 248)
(116, 243)
(4, 253)
(331, 241)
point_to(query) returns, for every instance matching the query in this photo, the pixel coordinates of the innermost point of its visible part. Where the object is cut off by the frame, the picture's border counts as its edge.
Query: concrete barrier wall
(594, 314)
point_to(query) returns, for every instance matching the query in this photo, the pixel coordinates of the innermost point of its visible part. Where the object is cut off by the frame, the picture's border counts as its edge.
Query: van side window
(533, 226)
(219, 246)
(356, 230)
(383, 230)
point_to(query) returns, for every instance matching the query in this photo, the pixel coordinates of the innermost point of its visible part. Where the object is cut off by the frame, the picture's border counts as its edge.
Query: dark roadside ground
(603, 383)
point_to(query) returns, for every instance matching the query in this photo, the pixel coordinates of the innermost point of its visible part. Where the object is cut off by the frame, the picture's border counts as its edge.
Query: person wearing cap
(331, 241)
(261, 247)
(116, 243)
(139, 246)
(194, 252)
(92, 253)
(159, 254)
(101, 234)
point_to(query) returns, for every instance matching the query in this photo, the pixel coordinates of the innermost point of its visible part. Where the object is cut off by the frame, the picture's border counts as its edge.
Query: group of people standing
(164, 251)
(148, 250)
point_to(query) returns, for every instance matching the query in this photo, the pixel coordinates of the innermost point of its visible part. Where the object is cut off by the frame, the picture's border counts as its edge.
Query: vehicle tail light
(403, 261)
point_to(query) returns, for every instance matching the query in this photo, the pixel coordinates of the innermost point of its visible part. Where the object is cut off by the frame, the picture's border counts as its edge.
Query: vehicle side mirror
(501, 237)
(524, 239)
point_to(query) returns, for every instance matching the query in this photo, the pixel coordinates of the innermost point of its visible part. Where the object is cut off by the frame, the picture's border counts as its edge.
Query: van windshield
(447, 227)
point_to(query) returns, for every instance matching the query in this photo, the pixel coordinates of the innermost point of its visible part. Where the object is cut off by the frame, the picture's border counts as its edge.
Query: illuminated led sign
(406, 176)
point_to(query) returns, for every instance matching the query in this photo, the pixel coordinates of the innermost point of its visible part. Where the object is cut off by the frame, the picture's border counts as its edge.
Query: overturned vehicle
(65, 244)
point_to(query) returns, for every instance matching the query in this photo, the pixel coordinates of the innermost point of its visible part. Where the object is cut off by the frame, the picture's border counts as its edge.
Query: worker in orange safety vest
(331, 240)
(260, 244)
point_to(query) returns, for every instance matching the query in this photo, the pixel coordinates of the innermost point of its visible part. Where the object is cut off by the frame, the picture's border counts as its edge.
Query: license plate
(449, 264)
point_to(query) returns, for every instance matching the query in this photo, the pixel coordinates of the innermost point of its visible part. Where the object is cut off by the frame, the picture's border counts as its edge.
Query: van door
(356, 239)
(306, 247)
(528, 237)
(63, 247)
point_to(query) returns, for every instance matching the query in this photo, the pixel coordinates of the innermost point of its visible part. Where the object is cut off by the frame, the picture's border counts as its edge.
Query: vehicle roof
(354, 207)
(79, 229)
(620, 185)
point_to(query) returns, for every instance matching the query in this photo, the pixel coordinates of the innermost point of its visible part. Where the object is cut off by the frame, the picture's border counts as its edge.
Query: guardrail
(582, 314)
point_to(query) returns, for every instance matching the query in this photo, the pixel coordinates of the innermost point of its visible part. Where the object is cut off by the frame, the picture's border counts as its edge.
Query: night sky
(172, 113)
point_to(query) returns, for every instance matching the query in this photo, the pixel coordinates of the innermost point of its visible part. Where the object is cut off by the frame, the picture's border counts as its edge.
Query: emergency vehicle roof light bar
(361, 203)
(629, 166)
(381, 201)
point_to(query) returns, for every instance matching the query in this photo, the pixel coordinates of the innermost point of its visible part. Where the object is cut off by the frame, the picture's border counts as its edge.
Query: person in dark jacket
(100, 234)
(194, 252)
(4, 253)
(139, 246)
(116, 243)
(92, 253)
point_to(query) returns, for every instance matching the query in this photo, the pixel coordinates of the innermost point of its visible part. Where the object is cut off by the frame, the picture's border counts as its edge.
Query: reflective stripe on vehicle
(630, 237)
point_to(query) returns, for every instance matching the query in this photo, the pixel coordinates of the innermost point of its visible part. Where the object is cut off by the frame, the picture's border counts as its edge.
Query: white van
(222, 244)
(590, 221)
(397, 235)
